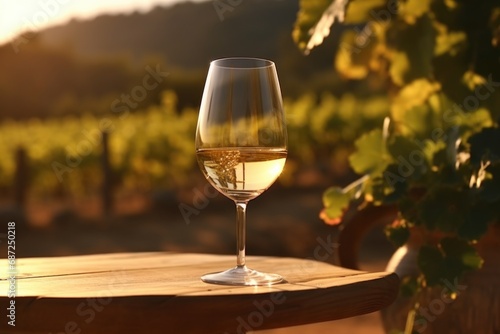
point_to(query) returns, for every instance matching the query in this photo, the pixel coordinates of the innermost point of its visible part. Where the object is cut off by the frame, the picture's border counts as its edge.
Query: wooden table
(162, 293)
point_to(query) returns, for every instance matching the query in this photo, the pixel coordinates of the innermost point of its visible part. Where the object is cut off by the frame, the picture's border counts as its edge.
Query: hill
(84, 66)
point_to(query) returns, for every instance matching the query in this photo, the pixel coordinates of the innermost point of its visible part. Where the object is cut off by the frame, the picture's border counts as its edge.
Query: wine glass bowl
(241, 145)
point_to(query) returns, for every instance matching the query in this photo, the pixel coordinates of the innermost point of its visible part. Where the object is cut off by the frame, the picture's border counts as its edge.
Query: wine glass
(241, 145)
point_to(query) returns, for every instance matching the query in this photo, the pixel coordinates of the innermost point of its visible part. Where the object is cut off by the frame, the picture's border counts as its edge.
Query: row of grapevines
(154, 148)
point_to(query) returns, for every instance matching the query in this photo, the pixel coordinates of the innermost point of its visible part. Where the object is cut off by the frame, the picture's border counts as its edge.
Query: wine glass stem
(241, 208)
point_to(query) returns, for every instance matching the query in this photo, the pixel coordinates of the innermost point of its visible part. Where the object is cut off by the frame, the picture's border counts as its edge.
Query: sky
(17, 16)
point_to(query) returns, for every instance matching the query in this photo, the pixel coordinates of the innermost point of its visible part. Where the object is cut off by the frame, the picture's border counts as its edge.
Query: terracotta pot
(477, 306)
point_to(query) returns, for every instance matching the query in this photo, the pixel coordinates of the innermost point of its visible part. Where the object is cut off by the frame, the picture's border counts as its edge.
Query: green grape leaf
(315, 18)
(485, 146)
(335, 202)
(444, 152)
(400, 66)
(390, 187)
(443, 207)
(314, 21)
(413, 50)
(412, 95)
(418, 122)
(473, 80)
(353, 59)
(416, 112)
(410, 10)
(441, 157)
(461, 251)
(362, 11)
(430, 262)
(490, 187)
(449, 42)
(408, 152)
(430, 147)
(398, 235)
(408, 209)
(309, 14)
(448, 176)
(370, 156)
(476, 120)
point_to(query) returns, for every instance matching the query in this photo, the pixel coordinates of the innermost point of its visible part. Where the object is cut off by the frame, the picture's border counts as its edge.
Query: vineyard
(153, 149)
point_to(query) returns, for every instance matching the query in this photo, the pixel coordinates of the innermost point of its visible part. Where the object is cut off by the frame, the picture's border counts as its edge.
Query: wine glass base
(241, 275)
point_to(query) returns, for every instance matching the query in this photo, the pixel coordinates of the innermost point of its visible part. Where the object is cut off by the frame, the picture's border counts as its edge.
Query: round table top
(162, 293)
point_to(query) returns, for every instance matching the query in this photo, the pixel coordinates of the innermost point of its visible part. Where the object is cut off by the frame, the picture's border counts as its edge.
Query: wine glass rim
(242, 63)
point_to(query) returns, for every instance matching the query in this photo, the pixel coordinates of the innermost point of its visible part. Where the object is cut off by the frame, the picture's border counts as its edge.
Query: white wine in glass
(241, 145)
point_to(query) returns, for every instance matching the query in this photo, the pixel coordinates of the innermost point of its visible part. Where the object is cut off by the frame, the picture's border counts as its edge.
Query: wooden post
(107, 199)
(21, 177)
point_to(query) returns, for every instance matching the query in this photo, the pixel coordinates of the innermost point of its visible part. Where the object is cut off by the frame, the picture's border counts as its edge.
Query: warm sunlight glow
(10, 19)
(27, 15)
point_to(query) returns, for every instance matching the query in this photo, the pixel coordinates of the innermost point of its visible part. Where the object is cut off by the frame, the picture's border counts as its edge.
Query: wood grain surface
(162, 293)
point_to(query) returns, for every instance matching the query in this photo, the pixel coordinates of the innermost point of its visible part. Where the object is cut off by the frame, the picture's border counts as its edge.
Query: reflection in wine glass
(241, 145)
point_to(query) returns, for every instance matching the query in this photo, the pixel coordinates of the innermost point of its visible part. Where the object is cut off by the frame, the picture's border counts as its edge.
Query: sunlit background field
(138, 76)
